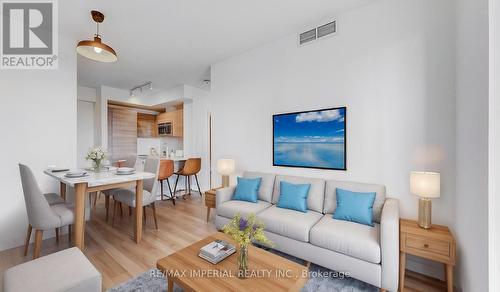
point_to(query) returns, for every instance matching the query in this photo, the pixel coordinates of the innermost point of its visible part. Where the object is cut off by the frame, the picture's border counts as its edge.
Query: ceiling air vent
(327, 29)
(316, 33)
(307, 36)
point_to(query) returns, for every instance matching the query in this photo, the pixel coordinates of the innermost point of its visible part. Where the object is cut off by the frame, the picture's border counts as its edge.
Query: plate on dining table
(125, 170)
(76, 173)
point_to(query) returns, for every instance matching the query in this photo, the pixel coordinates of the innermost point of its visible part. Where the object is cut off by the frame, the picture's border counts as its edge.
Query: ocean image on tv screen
(310, 139)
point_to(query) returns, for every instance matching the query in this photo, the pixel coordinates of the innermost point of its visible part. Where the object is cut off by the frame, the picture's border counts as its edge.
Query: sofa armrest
(389, 244)
(223, 195)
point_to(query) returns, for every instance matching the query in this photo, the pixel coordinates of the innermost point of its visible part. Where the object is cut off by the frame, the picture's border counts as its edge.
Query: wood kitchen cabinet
(178, 123)
(146, 126)
(122, 133)
(175, 117)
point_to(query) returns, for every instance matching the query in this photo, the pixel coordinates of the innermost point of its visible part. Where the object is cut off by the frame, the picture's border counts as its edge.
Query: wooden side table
(210, 200)
(436, 243)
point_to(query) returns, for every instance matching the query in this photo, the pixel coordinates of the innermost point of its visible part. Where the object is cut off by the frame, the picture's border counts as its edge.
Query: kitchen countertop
(175, 158)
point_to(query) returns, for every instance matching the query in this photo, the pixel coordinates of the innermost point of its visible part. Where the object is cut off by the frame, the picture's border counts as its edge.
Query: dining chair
(128, 161)
(41, 215)
(53, 198)
(165, 172)
(150, 189)
(192, 167)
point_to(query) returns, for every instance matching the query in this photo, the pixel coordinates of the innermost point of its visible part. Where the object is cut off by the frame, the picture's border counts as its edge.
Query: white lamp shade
(225, 166)
(425, 184)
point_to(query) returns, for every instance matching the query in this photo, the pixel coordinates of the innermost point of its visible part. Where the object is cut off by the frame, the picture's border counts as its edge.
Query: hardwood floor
(114, 253)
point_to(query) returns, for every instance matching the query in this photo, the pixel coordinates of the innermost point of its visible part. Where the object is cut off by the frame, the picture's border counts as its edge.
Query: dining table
(95, 182)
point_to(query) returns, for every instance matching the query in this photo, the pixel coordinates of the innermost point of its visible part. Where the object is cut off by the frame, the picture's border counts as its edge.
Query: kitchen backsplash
(144, 144)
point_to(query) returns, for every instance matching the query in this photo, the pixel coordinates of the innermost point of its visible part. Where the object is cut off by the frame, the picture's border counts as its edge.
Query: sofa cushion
(349, 238)
(354, 206)
(247, 189)
(293, 196)
(316, 191)
(266, 184)
(229, 209)
(289, 223)
(331, 195)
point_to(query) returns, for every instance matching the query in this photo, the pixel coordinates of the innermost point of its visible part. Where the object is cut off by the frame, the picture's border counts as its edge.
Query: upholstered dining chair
(128, 161)
(166, 171)
(192, 167)
(41, 215)
(53, 198)
(150, 189)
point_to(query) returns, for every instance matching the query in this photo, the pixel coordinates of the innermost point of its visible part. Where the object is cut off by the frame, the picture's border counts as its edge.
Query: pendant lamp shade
(96, 50)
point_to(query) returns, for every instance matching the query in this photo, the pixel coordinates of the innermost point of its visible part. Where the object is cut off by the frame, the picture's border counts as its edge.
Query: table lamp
(426, 185)
(225, 167)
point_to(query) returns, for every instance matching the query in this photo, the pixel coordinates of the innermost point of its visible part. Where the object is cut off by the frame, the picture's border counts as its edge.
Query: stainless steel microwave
(165, 129)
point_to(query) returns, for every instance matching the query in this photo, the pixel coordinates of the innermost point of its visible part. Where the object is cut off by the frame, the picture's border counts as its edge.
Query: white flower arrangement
(97, 154)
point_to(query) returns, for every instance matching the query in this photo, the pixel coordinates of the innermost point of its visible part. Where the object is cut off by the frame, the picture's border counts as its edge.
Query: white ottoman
(66, 270)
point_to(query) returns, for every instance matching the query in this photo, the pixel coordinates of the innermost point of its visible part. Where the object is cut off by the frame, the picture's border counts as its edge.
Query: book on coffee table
(216, 251)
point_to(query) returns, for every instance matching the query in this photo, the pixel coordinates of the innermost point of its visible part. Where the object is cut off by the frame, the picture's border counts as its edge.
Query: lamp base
(424, 213)
(225, 181)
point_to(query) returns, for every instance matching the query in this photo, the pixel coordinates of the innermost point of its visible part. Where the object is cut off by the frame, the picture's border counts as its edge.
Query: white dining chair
(41, 215)
(149, 194)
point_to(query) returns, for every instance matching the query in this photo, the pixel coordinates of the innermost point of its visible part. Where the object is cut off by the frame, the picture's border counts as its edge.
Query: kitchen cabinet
(175, 117)
(122, 133)
(146, 126)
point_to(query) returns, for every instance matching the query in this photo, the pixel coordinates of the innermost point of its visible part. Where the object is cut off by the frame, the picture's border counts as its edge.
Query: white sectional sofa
(370, 254)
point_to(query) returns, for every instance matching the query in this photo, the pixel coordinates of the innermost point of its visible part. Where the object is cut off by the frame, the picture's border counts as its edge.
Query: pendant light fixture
(97, 50)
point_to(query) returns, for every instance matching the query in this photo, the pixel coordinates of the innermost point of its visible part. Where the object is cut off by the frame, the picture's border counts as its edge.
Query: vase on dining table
(97, 165)
(96, 155)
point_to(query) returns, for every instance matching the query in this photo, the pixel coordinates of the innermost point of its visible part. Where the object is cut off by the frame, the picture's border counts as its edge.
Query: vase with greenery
(96, 155)
(245, 231)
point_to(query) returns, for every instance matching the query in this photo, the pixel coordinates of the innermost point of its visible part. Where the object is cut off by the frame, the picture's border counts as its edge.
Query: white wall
(494, 145)
(391, 64)
(38, 126)
(196, 111)
(86, 93)
(85, 122)
(471, 202)
(85, 131)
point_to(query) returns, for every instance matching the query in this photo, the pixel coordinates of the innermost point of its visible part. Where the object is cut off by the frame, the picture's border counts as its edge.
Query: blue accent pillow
(355, 207)
(247, 189)
(293, 196)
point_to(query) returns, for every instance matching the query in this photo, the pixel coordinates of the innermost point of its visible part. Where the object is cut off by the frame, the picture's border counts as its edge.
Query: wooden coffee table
(268, 272)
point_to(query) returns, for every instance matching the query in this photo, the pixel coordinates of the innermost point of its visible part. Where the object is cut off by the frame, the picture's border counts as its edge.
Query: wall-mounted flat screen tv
(310, 139)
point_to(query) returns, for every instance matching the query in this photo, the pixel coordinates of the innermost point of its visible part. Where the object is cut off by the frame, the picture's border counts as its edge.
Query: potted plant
(244, 232)
(96, 155)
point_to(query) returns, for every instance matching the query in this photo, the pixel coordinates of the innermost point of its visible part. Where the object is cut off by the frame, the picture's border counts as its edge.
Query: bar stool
(166, 171)
(191, 167)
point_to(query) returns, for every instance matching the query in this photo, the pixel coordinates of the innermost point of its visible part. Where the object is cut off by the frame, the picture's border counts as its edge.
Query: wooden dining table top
(102, 178)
